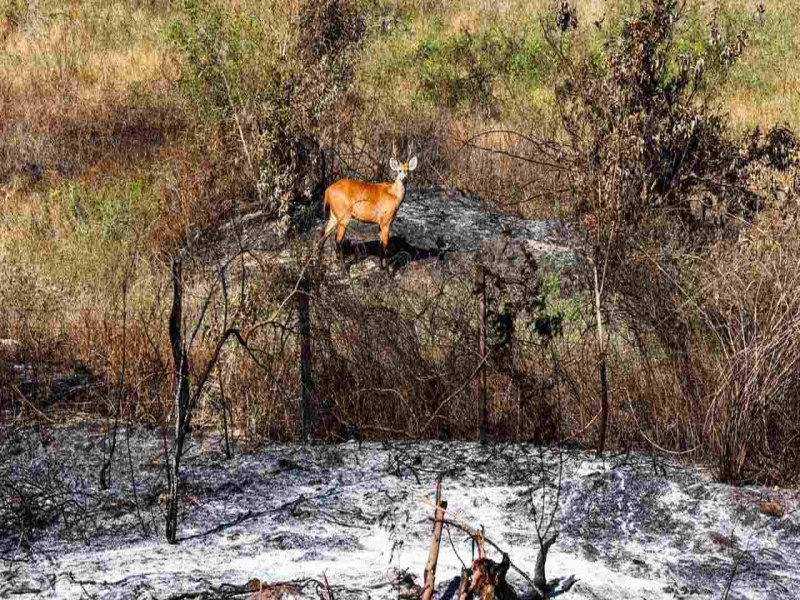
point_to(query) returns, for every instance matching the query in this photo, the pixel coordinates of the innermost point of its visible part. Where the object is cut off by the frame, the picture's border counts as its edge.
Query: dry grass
(101, 163)
(754, 415)
(87, 115)
(79, 82)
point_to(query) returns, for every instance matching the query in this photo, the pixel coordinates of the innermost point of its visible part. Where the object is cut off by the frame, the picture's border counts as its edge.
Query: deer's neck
(398, 189)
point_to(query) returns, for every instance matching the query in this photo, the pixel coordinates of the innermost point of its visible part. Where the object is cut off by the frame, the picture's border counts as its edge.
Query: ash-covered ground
(633, 526)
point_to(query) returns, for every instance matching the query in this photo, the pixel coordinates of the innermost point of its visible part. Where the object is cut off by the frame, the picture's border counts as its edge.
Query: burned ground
(633, 525)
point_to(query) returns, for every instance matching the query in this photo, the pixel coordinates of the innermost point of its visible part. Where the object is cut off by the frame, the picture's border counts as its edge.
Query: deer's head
(402, 169)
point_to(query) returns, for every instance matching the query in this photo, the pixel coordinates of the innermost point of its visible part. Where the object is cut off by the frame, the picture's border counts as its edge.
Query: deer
(366, 202)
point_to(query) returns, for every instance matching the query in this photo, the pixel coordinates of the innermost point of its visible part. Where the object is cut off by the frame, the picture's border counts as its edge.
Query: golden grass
(70, 68)
(748, 109)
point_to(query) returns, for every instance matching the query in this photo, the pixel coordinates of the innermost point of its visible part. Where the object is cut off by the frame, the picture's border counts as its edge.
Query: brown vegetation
(118, 153)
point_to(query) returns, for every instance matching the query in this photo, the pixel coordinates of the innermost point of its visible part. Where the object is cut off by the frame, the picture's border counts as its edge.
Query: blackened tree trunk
(305, 358)
(182, 414)
(483, 408)
(225, 410)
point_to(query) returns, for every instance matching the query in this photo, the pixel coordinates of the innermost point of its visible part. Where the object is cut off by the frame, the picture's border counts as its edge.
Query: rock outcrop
(441, 222)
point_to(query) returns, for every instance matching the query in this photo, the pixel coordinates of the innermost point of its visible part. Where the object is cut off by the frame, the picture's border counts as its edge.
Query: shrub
(461, 69)
(282, 86)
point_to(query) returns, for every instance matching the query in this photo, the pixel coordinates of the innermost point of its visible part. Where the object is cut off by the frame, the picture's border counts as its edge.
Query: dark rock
(437, 222)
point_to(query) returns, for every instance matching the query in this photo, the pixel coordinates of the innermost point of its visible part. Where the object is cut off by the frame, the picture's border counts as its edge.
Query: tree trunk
(483, 409)
(182, 415)
(602, 350)
(604, 406)
(228, 453)
(433, 554)
(305, 359)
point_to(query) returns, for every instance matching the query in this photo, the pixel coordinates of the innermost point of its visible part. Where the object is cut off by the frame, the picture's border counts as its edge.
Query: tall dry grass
(84, 85)
(752, 420)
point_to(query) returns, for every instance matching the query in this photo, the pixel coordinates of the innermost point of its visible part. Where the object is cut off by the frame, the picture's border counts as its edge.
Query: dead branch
(328, 591)
(433, 555)
(486, 572)
(481, 541)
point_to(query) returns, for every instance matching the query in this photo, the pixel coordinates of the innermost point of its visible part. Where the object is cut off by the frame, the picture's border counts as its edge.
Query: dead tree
(188, 390)
(225, 411)
(180, 360)
(184, 397)
(488, 578)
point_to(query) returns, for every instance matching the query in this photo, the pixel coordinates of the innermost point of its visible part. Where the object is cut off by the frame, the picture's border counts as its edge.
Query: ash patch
(618, 504)
(361, 514)
(292, 540)
(439, 222)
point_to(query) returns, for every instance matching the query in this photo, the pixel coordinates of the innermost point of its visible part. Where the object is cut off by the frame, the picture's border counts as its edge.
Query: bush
(753, 422)
(659, 183)
(282, 86)
(461, 69)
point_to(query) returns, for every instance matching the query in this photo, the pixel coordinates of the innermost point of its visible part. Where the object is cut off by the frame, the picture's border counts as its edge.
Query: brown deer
(366, 202)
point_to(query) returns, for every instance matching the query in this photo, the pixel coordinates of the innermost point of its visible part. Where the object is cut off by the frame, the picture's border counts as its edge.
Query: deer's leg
(329, 227)
(340, 231)
(384, 243)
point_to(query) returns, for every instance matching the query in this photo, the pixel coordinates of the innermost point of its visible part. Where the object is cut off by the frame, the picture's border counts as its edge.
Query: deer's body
(376, 203)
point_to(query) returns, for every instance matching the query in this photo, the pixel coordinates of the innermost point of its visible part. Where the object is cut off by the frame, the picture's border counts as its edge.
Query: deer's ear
(394, 165)
(412, 164)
